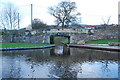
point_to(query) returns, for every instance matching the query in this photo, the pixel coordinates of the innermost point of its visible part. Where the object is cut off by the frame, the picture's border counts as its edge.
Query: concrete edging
(25, 48)
(94, 47)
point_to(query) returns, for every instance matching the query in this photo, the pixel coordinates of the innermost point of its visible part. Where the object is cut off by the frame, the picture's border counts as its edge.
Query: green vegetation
(65, 40)
(2, 32)
(102, 41)
(59, 40)
(14, 45)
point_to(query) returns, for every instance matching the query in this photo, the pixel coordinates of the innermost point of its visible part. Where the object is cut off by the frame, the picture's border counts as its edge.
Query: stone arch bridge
(77, 34)
(69, 33)
(73, 34)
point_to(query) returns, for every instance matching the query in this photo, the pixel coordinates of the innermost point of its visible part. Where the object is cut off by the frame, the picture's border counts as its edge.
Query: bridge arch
(58, 35)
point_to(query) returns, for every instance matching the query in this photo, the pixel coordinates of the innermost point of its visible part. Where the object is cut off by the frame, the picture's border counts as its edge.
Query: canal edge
(26, 48)
(94, 47)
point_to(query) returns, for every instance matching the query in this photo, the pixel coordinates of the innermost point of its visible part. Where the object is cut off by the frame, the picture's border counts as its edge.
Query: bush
(2, 32)
(113, 44)
(81, 42)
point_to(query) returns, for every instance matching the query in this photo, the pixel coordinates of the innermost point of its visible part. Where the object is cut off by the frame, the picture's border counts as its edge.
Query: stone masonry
(108, 32)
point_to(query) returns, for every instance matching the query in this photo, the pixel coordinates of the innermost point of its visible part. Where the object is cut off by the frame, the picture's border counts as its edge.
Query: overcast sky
(92, 11)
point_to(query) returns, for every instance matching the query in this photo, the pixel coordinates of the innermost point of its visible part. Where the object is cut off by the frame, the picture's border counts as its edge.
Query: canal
(60, 62)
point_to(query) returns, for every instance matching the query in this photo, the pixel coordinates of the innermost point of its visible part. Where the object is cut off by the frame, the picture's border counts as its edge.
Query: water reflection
(60, 51)
(60, 62)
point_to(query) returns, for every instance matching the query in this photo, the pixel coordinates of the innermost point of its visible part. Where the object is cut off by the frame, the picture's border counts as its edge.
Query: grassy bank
(102, 41)
(14, 45)
(60, 40)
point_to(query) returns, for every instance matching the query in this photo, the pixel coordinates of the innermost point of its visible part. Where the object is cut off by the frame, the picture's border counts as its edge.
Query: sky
(93, 12)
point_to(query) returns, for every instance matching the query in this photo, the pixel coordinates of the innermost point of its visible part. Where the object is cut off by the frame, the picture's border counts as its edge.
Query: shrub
(113, 44)
(81, 42)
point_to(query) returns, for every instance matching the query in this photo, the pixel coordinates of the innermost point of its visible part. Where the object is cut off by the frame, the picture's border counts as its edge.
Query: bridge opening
(59, 39)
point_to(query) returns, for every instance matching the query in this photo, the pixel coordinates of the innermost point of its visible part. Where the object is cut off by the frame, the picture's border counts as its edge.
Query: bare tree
(9, 17)
(106, 22)
(64, 13)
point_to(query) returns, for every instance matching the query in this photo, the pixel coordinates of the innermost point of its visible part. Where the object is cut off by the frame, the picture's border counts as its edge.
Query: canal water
(60, 62)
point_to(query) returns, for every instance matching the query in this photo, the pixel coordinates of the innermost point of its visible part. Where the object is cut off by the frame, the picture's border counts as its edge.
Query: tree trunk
(62, 25)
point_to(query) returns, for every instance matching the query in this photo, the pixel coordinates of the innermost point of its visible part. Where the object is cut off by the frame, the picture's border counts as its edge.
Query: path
(97, 46)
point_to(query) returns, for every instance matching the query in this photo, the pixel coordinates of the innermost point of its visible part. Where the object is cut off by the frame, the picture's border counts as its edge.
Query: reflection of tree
(62, 70)
(65, 70)
(105, 67)
(76, 67)
(64, 66)
(119, 69)
(12, 67)
(19, 66)
(57, 69)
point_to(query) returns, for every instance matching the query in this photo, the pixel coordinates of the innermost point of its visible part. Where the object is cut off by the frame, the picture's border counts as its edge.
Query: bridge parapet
(66, 30)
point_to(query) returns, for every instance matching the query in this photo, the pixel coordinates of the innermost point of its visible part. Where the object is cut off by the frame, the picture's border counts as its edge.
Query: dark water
(60, 62)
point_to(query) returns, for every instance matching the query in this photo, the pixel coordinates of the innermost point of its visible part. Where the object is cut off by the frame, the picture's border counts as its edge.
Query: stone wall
(26, 38)
(103, 33)
(108, 32)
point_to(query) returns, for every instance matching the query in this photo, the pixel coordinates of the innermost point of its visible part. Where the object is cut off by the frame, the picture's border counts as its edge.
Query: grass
(65, 41)
(102, 41)
(14, 45)
(61, 39)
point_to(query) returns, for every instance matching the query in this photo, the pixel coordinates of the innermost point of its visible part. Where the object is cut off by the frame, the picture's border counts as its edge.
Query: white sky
(93, 11)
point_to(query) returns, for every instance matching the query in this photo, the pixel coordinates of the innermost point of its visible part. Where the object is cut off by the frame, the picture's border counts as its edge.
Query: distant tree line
(38, 24)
